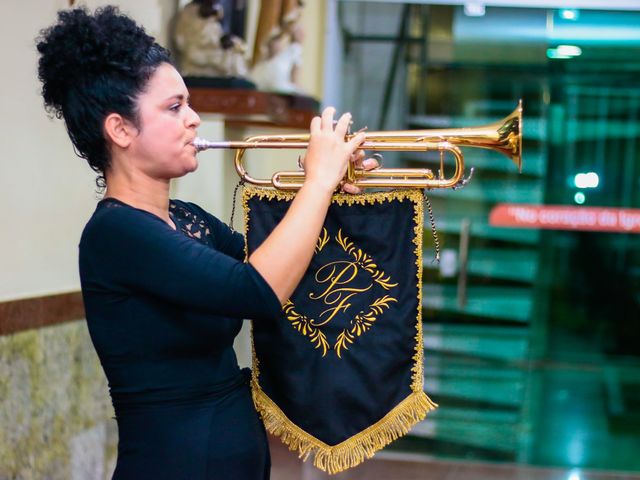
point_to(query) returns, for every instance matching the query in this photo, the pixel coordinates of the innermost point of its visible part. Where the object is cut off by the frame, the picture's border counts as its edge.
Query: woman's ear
(119, 130)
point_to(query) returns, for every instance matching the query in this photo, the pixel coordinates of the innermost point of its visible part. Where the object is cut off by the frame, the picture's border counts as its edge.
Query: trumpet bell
(509, 140)
(504, 136)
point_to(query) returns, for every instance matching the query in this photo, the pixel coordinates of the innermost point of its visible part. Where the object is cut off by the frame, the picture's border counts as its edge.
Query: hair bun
(81, 46)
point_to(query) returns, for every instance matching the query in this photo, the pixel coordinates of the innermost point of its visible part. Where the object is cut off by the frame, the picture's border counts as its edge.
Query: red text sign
(561, 217)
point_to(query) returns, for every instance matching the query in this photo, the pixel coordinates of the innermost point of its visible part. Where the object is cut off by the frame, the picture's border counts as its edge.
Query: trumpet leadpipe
(202, 144)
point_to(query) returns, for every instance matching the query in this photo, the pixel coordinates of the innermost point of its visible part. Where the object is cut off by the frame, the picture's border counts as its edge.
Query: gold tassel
(352, 451)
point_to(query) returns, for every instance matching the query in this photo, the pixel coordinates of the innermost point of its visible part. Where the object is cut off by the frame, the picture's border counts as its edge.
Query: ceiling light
(569, 14)
(564, 51)
(553, 53)
(569, 50)
(587, 180)
(474, 9)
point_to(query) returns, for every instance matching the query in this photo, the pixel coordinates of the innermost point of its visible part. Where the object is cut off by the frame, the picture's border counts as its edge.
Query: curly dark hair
(92, 65)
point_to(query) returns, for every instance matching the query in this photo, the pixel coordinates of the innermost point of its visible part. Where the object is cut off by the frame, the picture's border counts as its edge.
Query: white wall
(47, 192)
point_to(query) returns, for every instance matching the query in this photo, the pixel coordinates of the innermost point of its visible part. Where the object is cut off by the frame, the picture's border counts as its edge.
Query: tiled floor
(385, 466)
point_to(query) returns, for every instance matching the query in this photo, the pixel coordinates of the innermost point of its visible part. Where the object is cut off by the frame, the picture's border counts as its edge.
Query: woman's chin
(184, 171)
(191, 166)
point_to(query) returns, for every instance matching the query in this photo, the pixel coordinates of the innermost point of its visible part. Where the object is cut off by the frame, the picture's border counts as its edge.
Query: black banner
(340, 374)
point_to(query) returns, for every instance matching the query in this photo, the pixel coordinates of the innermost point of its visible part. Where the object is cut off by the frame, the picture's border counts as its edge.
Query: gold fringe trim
(354, 450)
(417, 383)
(396, 423)
(414, 195)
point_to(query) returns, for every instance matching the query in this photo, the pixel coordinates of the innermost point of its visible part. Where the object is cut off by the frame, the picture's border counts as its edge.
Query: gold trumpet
(504, 136)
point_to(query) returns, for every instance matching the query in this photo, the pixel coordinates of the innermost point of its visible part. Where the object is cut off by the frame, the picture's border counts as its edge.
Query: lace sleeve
(197, 223)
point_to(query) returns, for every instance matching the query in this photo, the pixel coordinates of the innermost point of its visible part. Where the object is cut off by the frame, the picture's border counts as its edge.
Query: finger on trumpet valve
(378, 157)
(335, 122)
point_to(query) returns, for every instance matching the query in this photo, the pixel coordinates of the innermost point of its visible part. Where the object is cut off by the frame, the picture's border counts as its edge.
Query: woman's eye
(175, 107)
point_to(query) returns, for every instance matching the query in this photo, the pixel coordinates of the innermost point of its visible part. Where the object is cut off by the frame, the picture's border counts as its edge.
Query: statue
(203, 47)
(278, 47)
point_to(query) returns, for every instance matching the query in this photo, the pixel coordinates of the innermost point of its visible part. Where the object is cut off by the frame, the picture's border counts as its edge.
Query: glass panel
(532, 339)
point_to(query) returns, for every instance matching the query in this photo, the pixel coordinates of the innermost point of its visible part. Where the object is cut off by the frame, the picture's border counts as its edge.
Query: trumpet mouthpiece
(202, 144)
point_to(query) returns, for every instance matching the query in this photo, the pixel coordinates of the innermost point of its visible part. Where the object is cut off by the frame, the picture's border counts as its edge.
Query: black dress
(163, 307)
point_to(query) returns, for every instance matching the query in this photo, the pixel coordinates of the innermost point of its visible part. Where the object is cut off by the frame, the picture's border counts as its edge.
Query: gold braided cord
(369, 198)
(413, 409)
(418, 357)
(354, 450)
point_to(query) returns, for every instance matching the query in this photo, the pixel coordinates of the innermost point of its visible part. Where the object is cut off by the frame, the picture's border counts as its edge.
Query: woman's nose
(193, 119)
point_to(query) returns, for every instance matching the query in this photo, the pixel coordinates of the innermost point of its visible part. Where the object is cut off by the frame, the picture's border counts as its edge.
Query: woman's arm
(284, 256)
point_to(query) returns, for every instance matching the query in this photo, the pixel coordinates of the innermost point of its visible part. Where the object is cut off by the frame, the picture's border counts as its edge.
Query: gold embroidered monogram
(337, 276)
(322, 240)
(303, 324)
(336, 288)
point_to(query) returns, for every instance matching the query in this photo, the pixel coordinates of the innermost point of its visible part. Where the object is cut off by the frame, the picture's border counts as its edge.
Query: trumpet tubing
(504, 136)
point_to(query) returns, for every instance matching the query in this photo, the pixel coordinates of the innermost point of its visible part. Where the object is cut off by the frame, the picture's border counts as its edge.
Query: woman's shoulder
(111, 210)
(114, 217)
(193, 212)
(196, 222)
(190, 206)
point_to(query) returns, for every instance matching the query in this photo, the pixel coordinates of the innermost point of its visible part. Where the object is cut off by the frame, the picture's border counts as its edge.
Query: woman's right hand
(285, 254)
(328, 153)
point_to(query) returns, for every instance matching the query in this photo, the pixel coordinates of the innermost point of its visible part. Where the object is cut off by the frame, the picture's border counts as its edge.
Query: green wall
(56, 419)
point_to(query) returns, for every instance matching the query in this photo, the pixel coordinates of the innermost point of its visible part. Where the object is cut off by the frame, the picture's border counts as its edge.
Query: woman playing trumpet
(165, 284)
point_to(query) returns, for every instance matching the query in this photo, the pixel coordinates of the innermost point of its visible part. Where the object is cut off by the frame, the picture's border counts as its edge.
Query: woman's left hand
(361, 163)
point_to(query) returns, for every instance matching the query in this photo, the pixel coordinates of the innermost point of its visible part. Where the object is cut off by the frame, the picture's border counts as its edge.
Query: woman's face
(167, 127)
